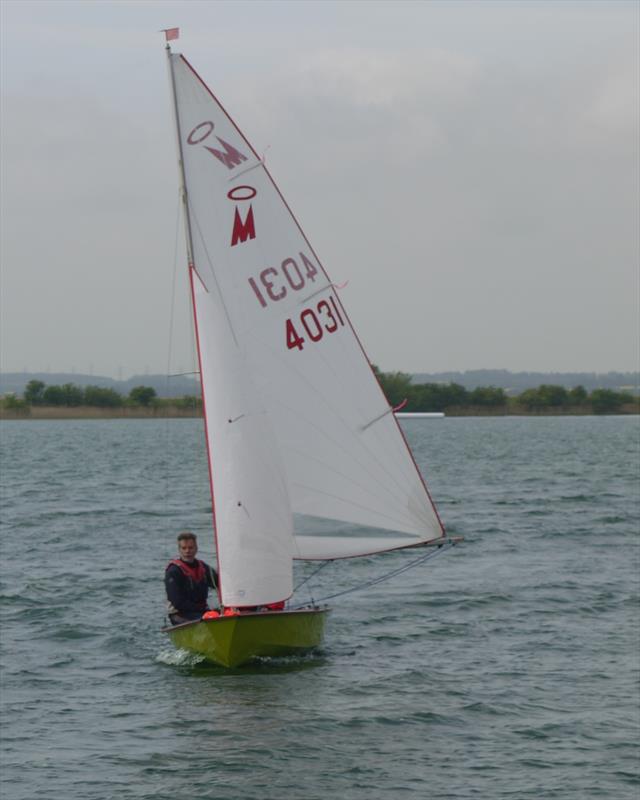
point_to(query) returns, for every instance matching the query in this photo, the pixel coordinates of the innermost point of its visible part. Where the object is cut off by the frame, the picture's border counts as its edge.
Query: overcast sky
(470, 168)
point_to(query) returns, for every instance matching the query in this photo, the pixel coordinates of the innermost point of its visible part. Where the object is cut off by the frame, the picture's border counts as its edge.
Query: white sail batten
(311, 407)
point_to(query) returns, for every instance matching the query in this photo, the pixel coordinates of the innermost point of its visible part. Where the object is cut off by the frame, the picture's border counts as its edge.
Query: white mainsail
(296, 421)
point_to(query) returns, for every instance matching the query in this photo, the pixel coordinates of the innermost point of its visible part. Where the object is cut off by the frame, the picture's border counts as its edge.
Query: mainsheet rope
(308, 578)
(374, 581)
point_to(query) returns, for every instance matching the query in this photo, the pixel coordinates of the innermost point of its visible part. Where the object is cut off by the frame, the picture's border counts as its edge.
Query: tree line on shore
(450, 397)
(397, 386)
(37, 393)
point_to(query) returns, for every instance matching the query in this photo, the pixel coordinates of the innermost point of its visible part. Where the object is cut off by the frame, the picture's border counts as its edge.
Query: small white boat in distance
(418, 414)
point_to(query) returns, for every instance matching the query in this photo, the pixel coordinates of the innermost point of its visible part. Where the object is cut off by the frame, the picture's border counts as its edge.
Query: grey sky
(471, 168)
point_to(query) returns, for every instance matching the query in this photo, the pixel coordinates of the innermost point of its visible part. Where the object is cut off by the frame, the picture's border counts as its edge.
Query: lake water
(505, 668)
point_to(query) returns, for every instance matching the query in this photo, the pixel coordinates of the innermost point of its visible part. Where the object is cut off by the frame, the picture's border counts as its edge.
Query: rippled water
(506, 668)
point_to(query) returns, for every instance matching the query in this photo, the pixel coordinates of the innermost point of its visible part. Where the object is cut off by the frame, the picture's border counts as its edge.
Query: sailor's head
(187, 545)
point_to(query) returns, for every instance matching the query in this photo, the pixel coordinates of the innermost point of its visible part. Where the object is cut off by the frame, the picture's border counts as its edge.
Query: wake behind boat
(295, 420)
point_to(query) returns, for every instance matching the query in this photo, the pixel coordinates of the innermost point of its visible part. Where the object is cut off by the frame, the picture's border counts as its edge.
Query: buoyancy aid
(192, 596)
(195, 571)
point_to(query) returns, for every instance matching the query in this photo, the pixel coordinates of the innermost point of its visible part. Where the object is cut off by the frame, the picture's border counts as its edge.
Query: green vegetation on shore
(40, 400)
(454, 399)
(69, 400)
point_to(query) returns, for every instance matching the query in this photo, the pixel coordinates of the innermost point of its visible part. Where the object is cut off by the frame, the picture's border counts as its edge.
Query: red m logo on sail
(243, 230)
(230, 157)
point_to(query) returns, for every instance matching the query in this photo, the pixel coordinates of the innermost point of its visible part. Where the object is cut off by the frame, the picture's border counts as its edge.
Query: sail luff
(422, 480)
(192, 276)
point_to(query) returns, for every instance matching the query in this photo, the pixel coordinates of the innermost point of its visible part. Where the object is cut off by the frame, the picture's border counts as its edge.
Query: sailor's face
(187, 549)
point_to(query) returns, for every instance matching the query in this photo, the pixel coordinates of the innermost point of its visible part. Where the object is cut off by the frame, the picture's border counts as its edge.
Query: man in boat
(187, 581)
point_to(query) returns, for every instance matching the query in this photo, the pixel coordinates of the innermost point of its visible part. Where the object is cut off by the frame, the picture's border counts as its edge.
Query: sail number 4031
(325, 317)
(274, 284)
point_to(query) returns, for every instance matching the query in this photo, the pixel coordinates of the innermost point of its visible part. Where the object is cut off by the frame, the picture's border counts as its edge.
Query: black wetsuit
(187, 587)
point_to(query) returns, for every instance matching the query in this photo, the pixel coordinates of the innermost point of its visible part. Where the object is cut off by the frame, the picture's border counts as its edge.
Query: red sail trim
(192, 271)
(334, 294)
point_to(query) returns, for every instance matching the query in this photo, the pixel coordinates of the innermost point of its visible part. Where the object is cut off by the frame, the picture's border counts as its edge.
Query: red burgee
(171, 33)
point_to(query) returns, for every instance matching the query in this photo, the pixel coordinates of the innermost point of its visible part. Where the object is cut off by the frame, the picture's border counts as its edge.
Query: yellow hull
(234, 640)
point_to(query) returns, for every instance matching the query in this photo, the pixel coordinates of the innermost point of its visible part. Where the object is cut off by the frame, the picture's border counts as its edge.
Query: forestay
(310, 431)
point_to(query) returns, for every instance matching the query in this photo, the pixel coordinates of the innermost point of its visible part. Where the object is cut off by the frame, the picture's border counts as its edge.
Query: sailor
(187, 581)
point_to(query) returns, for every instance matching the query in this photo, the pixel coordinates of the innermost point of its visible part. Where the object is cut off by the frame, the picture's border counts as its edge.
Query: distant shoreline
(93, 412)
(35, 413)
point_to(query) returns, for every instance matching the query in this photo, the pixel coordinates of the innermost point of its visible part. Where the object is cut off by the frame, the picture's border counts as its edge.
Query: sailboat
(295, 420)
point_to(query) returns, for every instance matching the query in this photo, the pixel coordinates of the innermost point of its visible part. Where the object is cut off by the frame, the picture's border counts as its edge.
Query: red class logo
(228, 156)
(242, 229)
